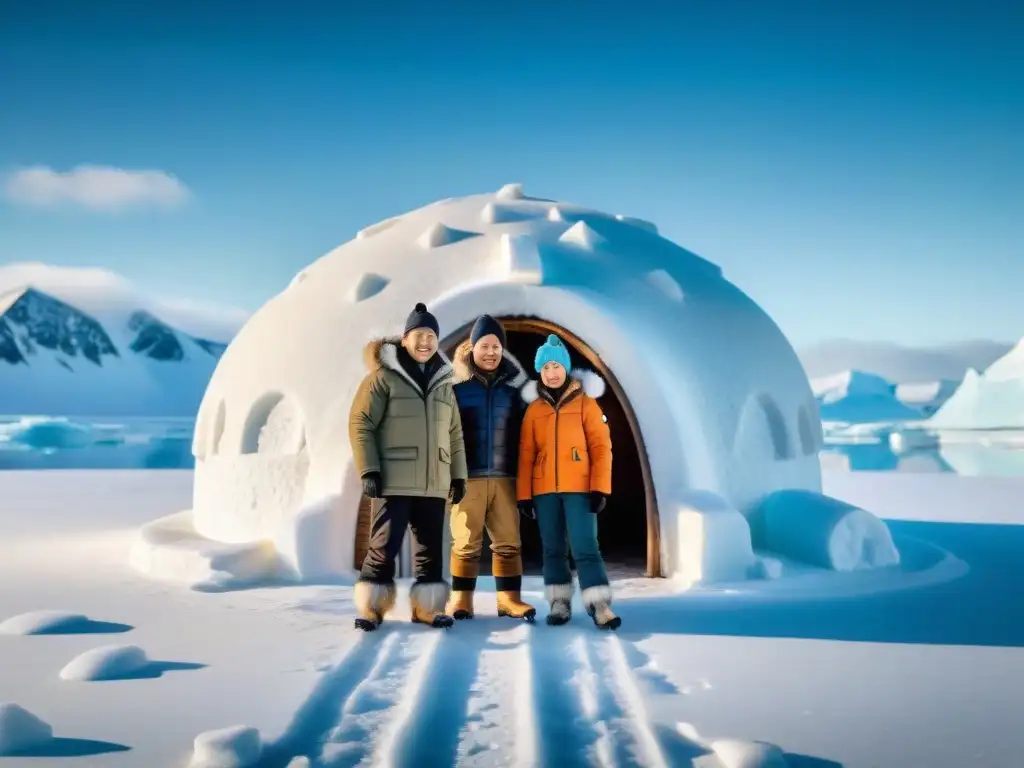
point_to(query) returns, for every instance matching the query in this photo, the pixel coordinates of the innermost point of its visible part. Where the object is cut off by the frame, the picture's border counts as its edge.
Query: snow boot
(372, 602)
(460, 606)
(560, 598)
(598, 601)
(510, 604)
(427, 600)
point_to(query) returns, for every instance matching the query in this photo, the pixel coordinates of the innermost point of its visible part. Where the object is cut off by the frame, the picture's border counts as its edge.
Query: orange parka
(564, 447)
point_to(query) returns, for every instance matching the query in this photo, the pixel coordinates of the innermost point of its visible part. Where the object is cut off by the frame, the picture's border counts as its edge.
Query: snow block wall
(728, 411)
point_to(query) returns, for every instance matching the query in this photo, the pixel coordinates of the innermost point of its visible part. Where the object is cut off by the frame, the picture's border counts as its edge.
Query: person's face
(487, 353)
(553, 375)
(421, 344)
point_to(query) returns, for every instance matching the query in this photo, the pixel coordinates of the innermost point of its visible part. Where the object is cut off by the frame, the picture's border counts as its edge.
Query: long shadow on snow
(86, 626)
(319, 713)
(431, 737)
(60, 747)
(981, 608)
(155, 669)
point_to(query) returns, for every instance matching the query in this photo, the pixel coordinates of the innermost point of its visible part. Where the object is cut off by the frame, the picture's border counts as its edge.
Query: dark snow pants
(391, 516)
(565, 523)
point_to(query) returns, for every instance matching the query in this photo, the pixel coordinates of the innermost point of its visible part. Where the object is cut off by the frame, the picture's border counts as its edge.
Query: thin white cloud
(95, 187)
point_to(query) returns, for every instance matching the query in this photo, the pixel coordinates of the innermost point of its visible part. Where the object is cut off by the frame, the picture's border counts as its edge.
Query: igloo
(711, 412)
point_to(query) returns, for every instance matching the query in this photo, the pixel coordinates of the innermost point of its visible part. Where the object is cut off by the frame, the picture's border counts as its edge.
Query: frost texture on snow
(238, 746)
(822, 531)
(170, 549)
(582, 236)
(108, 662)
(20, 730)
(713, 541)
(688, 405)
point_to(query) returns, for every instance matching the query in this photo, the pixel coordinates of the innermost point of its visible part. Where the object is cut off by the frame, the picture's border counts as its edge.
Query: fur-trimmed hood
(591, 383)
(383, 353)
(463, 367)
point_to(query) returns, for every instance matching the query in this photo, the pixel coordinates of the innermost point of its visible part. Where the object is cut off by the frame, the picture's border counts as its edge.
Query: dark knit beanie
(485, 325)
(420, 318)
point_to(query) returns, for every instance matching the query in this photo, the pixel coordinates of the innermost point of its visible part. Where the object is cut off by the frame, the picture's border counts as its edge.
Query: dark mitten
(598, 501)
(526, 509)
(373, 485)
(458, 491)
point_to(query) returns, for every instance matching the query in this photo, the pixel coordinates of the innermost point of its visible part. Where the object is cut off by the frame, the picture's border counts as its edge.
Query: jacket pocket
(400, 465)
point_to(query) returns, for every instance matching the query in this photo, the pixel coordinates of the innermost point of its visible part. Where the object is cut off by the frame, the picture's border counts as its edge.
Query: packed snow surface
(934, 671)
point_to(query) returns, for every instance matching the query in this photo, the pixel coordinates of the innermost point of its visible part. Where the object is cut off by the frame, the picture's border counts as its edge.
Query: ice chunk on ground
(20, 730)
(735, 753)
(238, 746)
(368, 286)
(43, 433)
(582, 236)
(108, 662)
(520, 258)
(170, 549)
(511, 192)
(714, 540)
(437, 235)
(822, 531)
(41, 623)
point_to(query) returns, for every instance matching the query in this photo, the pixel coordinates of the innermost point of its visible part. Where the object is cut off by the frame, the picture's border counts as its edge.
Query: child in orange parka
(564, 480)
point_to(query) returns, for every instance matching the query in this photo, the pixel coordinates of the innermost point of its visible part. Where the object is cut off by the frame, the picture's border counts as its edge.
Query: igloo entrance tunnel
(716, 432)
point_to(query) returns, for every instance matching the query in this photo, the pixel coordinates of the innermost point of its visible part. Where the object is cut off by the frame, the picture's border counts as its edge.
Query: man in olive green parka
(406, 437)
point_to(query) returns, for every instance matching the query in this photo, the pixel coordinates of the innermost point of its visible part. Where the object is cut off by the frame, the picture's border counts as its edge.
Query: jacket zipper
(490, 433)
(556, 447)
(426, 418)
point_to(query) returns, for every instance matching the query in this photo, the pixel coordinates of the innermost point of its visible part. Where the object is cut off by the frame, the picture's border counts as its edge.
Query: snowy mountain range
(84, 342)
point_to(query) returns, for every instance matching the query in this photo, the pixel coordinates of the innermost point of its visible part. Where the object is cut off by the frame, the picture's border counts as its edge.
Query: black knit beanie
(420, 318)
(485, 325)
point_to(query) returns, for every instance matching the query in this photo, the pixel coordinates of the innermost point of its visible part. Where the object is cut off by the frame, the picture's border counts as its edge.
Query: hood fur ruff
(383, 353)
(464, 371)
(592, 383)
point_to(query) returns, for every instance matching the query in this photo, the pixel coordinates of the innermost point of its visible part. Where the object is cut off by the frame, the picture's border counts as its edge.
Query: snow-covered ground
(924, 676)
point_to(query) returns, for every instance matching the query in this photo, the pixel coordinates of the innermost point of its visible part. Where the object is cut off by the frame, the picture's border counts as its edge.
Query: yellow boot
(373, 602)
(510, 604)
(427, 600)
(460, 605)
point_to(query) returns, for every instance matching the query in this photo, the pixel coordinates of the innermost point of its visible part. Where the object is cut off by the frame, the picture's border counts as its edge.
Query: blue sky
(859, 170)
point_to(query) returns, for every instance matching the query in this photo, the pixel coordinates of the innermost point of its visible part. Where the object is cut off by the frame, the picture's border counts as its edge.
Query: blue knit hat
(552, 351)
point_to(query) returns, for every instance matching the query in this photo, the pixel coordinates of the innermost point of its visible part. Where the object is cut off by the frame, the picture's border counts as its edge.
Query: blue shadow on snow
(981, 608)
(86, 626)
(58, 747)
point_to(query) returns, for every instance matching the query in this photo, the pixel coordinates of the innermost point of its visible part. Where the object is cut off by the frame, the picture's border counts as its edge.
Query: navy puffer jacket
(491, 413)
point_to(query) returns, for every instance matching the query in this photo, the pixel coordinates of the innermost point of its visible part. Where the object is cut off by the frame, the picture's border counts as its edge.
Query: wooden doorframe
(536, 325)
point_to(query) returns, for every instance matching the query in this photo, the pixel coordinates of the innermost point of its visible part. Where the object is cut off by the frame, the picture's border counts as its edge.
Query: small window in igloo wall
(776, 427)
(275, 425)
(810, 439)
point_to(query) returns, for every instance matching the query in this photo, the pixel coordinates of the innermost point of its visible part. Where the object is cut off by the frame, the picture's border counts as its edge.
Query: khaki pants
(489, 502)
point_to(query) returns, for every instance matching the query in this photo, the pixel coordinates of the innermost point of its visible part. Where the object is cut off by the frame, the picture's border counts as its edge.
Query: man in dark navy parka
(488, 381)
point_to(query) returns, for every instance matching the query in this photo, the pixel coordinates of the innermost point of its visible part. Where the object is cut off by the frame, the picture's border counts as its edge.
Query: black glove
(458, 491)
(598, 501)
(526, 509)
(373, 485)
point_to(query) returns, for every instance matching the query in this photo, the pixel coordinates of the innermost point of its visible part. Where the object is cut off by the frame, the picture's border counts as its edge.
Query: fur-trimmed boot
(560, 599)
(373, 601)
(460, 604)
(427, 600)
(598, 601)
